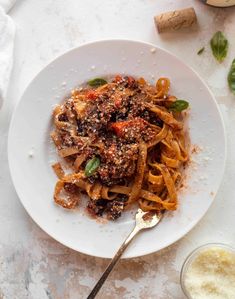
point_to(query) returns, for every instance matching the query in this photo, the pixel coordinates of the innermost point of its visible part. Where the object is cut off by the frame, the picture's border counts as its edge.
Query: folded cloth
(7, 33)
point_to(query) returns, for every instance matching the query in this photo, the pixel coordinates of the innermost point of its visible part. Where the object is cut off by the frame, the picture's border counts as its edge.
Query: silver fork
(143, 220)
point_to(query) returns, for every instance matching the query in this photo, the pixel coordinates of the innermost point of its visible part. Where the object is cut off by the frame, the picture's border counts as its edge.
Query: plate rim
(189, 227)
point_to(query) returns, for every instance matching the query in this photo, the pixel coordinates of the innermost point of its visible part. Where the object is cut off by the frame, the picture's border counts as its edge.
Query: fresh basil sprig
(201, 51)
(178, 106)
(97, 82)
(91, 166)
(219, 46)
(231, 77)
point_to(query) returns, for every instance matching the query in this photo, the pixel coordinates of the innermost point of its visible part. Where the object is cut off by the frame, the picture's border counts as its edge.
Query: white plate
(31, 124)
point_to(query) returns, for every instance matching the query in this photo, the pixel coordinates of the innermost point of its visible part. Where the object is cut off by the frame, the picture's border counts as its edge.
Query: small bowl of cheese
(209, 273)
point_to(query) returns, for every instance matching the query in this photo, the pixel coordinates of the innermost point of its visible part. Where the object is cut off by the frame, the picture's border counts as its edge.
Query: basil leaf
(178, 106)
(91, 166)
(97, 82)
(231, 77)
(219, 46)
(200, 51)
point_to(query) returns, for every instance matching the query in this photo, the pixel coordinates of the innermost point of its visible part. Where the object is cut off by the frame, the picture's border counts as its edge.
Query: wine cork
(175, 20)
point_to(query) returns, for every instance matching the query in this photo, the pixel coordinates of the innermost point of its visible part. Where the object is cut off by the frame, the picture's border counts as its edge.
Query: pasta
(124, 143)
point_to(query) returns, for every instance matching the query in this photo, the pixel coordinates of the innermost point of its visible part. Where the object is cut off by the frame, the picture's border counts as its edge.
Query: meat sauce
(117, 119)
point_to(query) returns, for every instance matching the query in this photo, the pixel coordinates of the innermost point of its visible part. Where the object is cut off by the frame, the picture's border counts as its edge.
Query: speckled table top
(33, 265)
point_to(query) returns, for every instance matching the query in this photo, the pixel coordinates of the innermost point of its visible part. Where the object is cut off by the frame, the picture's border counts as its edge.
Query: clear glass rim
(191, 256)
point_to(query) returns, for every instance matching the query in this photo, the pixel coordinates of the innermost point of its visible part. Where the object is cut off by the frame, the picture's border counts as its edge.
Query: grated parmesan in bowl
(209, 273)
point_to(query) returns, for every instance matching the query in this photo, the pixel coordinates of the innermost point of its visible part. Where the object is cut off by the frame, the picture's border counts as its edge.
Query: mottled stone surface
(34, 266)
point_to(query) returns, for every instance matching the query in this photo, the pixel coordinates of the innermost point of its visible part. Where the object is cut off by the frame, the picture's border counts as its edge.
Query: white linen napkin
(7, 33)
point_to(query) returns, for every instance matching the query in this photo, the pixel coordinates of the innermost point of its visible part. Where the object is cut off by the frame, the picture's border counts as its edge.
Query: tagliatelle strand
(95, 122)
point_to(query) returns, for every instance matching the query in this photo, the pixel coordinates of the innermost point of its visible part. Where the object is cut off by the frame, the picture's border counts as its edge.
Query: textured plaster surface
(32, 264)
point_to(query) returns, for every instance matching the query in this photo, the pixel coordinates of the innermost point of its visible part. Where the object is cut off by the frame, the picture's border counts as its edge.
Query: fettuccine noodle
(123, 145)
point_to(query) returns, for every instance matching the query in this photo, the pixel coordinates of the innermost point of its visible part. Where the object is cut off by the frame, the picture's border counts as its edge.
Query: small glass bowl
(190, 258)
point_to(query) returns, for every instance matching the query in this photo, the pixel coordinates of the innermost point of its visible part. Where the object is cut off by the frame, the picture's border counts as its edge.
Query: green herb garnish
(178, 106)
(91, 166)
(201, 51)
(219, 46)
(97, 82)
(231, 77)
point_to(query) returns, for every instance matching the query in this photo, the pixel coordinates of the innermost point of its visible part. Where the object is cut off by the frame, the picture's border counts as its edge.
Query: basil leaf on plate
(178, 106)
(97, 82)
(219, 46)
(91, 166)
(231, 77)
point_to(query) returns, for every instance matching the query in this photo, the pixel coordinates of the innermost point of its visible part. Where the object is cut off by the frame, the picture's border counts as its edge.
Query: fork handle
(113, 263)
